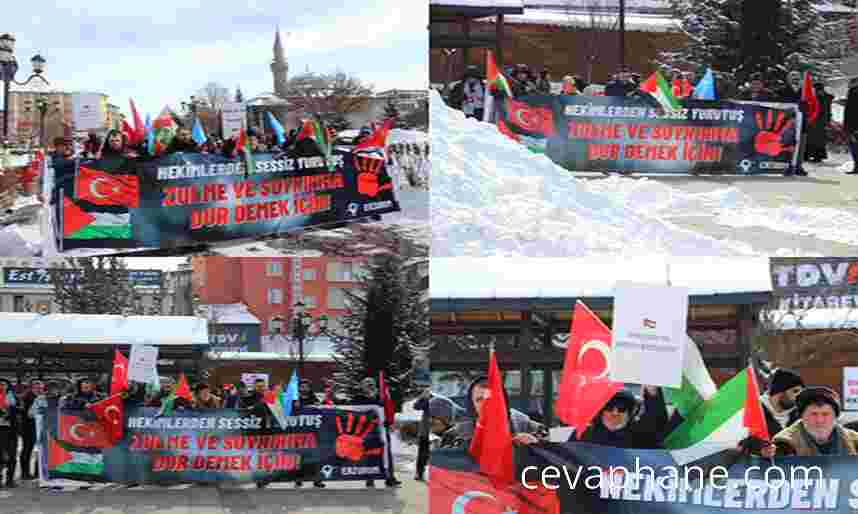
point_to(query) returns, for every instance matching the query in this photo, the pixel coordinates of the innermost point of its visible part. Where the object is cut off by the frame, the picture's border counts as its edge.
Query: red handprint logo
(350, 445)
(768, 141)
(852, 273)
(368, 166)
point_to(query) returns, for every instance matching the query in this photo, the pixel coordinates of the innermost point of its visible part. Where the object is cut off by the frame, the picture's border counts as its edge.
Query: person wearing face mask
(621, 424)
(817, 432)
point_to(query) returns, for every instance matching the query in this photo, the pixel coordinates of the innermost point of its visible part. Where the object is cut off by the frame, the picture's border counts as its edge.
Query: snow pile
(20, 241)
(492, 196)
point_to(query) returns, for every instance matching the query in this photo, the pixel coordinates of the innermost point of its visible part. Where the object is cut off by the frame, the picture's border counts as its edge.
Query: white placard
(143, 364)
(649, 328)
(233, 119)
(88, 111)
(249, 379)
(850, 388)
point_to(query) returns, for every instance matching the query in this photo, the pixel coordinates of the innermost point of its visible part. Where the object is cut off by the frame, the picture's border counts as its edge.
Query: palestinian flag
(243, 146)
(656, 86)
(102, 188)
(61, 460)
(716, 425)
(315, 131)
(83, 225)
(495, 80)
(697, 386)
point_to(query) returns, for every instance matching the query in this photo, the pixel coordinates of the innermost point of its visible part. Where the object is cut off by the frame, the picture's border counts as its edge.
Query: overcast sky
(163, 51)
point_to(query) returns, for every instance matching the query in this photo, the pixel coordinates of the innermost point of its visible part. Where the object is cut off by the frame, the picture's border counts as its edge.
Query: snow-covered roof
(479, 3)
(230, 314)
(835, 8)
(317, 349)
(603, 5)
(816, 319)
(516, 277)
(25, 328)
(635, 22)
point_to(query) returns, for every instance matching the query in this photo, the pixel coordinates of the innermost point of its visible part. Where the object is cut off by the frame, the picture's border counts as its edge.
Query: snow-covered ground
(493, 197)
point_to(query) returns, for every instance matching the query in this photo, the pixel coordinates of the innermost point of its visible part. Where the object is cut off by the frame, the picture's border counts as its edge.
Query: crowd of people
(468, 95)
(801, 421)
(24, 412)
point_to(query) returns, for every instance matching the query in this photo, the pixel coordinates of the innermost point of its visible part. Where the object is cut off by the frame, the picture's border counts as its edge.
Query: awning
(28, 328)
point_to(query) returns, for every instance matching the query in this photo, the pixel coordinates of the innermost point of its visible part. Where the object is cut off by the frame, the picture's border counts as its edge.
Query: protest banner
(582, 478)
(648, 331)
(633, 134)
(89, 111)
(143, 364)
(850, 388)
(216, 445)
(232, 118)
(190, 198)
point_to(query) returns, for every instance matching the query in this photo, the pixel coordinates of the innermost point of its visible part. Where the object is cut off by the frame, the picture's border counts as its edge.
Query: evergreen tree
(98, 285)
(386, 317)
(390, 110)
(739, 37)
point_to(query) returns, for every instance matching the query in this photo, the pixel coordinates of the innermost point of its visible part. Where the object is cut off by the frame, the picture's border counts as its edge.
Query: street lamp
(42, 105)
(300, 329)
(8, 69)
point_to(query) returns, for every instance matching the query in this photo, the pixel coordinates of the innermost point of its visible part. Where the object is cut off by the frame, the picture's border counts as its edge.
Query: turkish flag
(110, 414)
(491, 445)
(378, 139)
(538, 121)
(102, 188)
(808, 98)
(386, 400)
(585, 387)
(452, 490)
(119, 381)
(753, 418)
(85, 434)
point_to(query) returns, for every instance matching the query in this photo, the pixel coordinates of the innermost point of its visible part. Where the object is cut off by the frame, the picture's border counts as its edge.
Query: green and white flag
(716, 425)
(697, 385)
(661, 91)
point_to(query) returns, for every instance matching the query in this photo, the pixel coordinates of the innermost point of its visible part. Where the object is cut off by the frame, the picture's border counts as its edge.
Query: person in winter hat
(468, 94)
(779, 401)
(621, 424)
(817, 432)
(8, 434)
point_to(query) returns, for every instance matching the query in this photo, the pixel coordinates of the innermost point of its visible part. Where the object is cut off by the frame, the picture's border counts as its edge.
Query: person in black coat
(8, 433)
(307, 399)
(183, 142)
(621, 424)
(791, 93)
(368, 395)
(28, 430)
(850, 122)
(817, 140)
(779, 400)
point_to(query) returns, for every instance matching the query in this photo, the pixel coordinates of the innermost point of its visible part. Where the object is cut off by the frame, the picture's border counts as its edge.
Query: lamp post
(42, 105)
(300, 329)
(8, 69)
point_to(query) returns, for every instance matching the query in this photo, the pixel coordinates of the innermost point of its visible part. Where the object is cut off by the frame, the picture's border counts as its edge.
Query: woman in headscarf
(620, 423)
(570, 87)
(524, 430)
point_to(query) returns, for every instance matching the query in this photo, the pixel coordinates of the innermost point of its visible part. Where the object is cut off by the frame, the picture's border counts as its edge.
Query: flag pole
(753, 376)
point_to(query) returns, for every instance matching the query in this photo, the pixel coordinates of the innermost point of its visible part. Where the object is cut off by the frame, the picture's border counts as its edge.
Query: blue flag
(705, 89)
(199, 134)
(290, 395)
(277, 127)
(150, 134)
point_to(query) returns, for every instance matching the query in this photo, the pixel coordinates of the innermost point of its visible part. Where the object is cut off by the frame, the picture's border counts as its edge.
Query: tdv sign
(807, 283)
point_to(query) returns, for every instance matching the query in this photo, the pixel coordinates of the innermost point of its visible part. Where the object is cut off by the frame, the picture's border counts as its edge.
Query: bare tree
(328, 94)
(213, 96)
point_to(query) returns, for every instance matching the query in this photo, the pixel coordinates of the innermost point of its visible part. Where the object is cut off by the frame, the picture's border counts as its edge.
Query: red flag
(139, 131)
(128, 132)
(119, 381)
(378, 139)
(102, 188)
(110, 413)
(329, 397)
(85, 434)
(753, 418)
(808, 98)
(491, 445)
(183, 390)
(4, 403)
(585, 387)
(387, 401)
(74, 218)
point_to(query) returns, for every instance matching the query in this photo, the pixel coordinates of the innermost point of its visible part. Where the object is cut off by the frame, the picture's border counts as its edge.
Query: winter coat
(772, 424)
(178, 146)
(213, 402)
(795, 441)
(543, 86)
(644, 432)
(78, 399)
(850, 116)
(28, 424)
(617, 88)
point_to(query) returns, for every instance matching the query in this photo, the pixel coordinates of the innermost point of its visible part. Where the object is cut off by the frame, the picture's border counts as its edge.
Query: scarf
(781, 417)
(834, 446)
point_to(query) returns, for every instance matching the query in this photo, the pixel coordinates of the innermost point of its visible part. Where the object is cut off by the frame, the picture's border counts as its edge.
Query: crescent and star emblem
(601, 347)
(93, 187)
(526, 118)
(462, 501)
(114, 418)
(73, 431)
